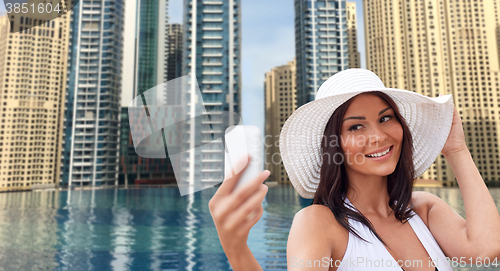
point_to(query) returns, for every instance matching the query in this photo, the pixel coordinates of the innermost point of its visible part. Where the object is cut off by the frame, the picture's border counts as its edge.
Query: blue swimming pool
(141, 229)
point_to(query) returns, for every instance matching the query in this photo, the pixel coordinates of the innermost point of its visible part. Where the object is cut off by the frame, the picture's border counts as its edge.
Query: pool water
(143, 229)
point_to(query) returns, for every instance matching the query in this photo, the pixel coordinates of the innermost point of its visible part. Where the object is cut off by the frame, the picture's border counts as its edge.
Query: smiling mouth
(380, 154)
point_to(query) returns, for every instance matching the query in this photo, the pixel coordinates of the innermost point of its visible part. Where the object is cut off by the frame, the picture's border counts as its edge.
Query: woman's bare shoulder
(316, 214)
(316, 225)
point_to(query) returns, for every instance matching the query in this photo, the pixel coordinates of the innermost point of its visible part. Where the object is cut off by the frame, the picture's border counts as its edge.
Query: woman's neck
(369, 194)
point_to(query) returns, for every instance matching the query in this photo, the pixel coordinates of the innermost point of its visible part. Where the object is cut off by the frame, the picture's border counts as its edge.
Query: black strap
(435, 269)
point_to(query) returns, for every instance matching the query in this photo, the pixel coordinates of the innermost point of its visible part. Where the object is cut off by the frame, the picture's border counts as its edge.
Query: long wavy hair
(333, 185)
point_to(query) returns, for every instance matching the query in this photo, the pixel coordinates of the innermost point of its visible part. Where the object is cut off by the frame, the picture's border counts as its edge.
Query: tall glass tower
(151, 47)
(212, 43)
(93, 96)
(321, 44)
(150, 71)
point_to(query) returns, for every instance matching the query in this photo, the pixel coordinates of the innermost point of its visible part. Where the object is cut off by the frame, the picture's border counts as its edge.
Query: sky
(267, 41)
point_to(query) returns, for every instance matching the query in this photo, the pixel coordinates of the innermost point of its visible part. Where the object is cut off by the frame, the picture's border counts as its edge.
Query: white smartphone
(243, 141)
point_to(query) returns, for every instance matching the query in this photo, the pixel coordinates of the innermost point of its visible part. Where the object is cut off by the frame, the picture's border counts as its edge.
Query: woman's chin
(382, 171)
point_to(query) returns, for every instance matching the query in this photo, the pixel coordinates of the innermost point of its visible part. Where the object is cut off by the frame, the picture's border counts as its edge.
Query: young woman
(356, 150)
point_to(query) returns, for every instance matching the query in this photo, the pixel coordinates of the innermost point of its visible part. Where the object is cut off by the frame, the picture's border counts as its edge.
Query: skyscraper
(151, 49)
(352, 38)
(93, 95)
(321, 43)
(137, 169)
(33, 61)
(211, 54)
(280, 102)
(174, 58)
(433, 47)
(151, 53)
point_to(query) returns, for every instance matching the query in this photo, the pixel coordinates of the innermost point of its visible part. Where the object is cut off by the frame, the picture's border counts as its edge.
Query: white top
(361, 255)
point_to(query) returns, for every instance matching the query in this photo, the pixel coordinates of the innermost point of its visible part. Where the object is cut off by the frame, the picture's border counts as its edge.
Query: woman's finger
(248, 224)
(228, 185)
(220, 207)
(226, 205)
(240, 215)
(241, 195)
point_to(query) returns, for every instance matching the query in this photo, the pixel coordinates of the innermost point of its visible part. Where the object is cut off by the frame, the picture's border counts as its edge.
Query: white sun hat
(428, 119)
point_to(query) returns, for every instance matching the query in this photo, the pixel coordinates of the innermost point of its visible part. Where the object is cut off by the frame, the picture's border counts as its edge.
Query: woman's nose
(376, 136)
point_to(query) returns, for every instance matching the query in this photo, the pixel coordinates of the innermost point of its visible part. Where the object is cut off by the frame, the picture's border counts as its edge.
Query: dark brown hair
(333, 185)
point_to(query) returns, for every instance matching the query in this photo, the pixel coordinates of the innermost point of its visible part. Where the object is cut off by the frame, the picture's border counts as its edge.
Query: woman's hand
(236, 211)
(478, 237)
(456, 139)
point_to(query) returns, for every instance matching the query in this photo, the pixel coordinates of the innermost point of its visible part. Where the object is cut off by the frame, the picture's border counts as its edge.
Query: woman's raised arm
(478, 237)
(234, 213)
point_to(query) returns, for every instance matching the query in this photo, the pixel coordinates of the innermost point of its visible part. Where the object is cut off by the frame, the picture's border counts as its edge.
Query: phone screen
(243, 142)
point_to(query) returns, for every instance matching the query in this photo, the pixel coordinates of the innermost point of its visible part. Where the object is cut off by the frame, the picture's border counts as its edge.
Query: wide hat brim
(428, 119)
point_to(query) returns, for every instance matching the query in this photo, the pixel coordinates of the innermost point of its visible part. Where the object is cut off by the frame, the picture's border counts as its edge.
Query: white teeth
(380, 153)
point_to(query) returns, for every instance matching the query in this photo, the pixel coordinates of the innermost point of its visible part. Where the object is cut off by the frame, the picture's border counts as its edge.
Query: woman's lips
(383, 157)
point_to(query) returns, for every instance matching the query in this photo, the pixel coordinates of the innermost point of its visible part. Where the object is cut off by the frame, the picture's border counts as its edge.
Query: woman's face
(371, 137)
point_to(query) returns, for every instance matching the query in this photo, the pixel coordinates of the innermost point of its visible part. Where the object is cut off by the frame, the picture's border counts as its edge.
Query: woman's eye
(355, 127)
(385, 118)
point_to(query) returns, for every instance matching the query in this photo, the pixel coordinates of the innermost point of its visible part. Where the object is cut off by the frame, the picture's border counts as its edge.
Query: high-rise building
(151, 53)
(280, 102)
(93, 96)
(211, 54)
(352, 38)
(433, 47)
(135, 169)
(174, 58)
(33, 61)
(321, 44)
(151, 48)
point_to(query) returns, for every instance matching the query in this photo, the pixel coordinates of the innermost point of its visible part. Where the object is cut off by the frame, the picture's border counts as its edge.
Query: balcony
(211, 91)
(211, 64)
(89, 50)
(219, 46)
(218, 121)
(211, 82)
(212, 11)
(87, 85)
(212, 28)
(212, 37)
(211, 170)
(212, 104)
(212, 132)
(212, 19)
(81, 126)
(212, 55)
(213, 3)
(212, 73)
